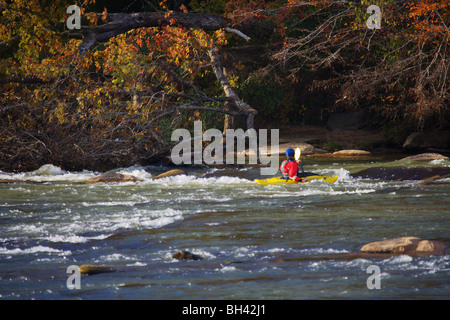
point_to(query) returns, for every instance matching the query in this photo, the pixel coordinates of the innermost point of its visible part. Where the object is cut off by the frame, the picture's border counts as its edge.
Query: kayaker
(289, 167)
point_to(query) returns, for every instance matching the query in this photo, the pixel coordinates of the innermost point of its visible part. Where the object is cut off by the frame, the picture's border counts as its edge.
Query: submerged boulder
(411, 246)
(397, 245)
(402, 173)
(112, 177)
(90, 269)
(186, 255)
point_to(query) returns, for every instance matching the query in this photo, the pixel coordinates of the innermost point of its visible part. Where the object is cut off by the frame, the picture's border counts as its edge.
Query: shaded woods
(111, 93)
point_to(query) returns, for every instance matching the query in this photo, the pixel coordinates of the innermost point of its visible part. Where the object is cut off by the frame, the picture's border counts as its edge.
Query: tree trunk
(118, 23)
(229, 90)
(243, 107)
(229, 119)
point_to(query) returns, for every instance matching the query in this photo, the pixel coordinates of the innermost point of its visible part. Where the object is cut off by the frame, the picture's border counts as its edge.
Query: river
(257, 242)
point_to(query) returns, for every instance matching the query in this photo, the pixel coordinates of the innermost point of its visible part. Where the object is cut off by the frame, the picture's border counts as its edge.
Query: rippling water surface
(258, 242)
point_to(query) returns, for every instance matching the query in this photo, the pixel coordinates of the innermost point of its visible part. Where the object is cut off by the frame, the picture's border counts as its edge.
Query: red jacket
(289, 168)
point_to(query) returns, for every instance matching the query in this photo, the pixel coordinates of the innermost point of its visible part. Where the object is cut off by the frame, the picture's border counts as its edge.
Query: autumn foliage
(398, 72)
(107, 108)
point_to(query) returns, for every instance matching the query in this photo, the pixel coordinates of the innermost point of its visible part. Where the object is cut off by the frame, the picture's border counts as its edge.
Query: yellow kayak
(280, 180)
(309, 176)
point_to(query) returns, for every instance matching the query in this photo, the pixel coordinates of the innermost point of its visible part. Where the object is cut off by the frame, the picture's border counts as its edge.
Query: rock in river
(411, 246)
(425, 157)
(170, 173)
(112, 177)
(352, 153)
(91, 269)
(186, 255)
(423, 140)
(402, 173)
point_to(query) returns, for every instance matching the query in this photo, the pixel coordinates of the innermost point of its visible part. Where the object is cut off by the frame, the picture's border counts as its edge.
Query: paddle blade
(298, 153)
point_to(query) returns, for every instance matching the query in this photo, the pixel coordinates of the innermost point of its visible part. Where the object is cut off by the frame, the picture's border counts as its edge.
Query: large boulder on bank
(304, 147)
(351, 153)
(423, 140)
(424, 157)
(411, 246)
(112, 177)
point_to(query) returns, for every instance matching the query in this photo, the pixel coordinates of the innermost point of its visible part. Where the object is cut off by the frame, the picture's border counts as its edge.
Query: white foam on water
(399, 259)
(70, 228)
(47, 170)
(29, 229)
(49, 173)
(360, 262)
(131, 219)
(420, 265)
(137, 171)
(193, 181)
(435, 264)
(332, 191)
(109, 203)
(323, 251)
(194, 197)
(315, 266)
(113, 257)
(137, 264)
(73, 238)
(35, 249)
(247, 252)
(276, 250)
(202, 253)
(440, 162)
(312, 189)
(213, 224)
(158, 222)
(342, 174)
(226, 269)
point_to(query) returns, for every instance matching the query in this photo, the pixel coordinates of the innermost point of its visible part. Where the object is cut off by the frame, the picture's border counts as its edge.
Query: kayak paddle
(297, 156)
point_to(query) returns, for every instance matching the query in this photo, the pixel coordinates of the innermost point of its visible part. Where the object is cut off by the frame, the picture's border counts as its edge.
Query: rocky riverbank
(317, 141)
(359, 142)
